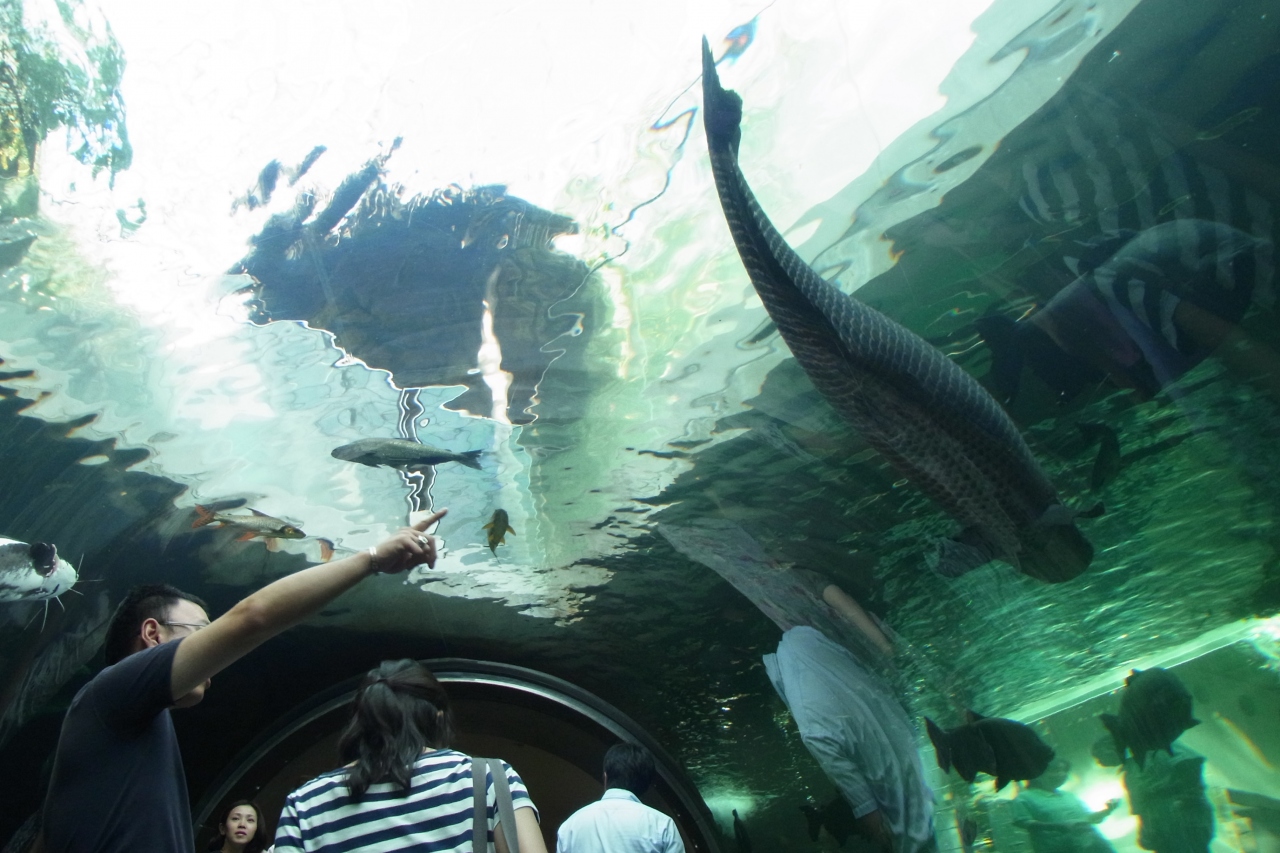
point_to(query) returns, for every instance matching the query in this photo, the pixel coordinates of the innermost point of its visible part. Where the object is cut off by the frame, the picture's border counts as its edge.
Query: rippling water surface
(495, 229)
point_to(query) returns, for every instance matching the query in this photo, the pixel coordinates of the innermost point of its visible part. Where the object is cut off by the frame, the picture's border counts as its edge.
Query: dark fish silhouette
(1005, 749)
(919, 410)
(402, 454)
(740, 834)
(836, 817)
(1108, 462)
(499, 526)
(1155, 709)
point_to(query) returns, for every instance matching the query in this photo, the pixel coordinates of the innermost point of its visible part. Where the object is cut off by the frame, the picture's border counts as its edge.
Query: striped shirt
(435, 816)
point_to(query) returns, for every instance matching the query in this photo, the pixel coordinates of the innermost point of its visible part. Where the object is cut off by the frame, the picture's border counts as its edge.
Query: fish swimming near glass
(1005, 749)
(931, 420)
(1145, 308)
(1107, 464)
(1155, 709)
(402, 454)
(836, 817)
(499, 526)
(33, 572)
(256, 526)
(740, 834)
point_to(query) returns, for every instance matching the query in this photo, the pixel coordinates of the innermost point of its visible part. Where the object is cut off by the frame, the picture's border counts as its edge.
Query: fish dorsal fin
(258, 514)
(972, 716)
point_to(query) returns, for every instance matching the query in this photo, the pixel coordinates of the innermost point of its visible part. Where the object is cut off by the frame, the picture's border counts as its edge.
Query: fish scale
(928, 417)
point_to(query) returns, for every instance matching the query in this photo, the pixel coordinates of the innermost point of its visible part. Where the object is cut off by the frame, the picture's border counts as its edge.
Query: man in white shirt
(861, 737)
(618, 822)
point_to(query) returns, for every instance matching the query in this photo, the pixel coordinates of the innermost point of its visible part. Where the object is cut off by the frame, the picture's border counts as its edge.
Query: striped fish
(925, 415)
(1105, 167)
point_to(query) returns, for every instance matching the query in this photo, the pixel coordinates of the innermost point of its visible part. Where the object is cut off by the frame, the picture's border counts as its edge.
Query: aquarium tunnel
(873, 414)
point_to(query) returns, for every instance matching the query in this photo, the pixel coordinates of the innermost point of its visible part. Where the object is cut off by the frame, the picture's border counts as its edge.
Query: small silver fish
(33, 572)
(258, 525)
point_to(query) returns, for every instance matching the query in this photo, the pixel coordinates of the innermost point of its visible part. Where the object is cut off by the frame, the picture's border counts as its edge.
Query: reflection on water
(497, 239)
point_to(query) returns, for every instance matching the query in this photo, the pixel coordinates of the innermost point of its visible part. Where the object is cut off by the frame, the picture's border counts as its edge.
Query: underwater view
(871, 409)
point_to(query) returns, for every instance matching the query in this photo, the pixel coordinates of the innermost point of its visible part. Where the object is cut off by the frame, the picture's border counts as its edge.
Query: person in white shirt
(618, 822)
(861, 737)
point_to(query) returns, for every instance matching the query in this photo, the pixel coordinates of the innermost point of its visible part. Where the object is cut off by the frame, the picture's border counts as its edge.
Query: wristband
(373, 558)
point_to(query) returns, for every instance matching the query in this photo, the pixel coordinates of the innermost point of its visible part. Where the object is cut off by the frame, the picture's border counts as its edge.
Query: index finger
(429, 520)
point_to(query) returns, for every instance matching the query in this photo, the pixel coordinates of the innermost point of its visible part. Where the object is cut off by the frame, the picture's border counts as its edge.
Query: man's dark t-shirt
(118, 782)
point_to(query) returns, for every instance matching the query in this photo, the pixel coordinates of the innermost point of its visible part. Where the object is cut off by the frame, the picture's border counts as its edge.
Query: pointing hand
(408, 547)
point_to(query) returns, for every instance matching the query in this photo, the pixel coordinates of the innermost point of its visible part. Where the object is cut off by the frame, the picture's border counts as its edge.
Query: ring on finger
(424, 540)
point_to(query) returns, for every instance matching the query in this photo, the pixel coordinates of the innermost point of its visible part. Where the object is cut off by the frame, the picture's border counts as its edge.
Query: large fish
(1155, 709)
(33, 572)
(402, 454)
(1005, 749)
(929, 418)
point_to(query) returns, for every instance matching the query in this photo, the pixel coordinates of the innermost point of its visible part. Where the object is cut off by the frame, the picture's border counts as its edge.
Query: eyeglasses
(194, 626)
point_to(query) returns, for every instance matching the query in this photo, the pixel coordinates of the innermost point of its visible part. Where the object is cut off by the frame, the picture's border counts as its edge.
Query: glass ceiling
(257, 232)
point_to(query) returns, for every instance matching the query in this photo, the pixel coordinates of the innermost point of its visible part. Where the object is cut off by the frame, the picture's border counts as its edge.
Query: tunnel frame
(514, 685)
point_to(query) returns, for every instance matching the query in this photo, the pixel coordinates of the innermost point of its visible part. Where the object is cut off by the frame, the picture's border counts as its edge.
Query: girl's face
(241, 825)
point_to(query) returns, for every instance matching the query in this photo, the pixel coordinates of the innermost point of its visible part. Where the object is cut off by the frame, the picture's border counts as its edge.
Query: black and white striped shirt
(435, 816)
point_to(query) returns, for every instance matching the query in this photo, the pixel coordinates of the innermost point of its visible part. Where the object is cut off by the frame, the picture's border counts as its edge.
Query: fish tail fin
(963, 554)
(722, 108)
(326, 550)
(940, 744)
(1096, 511)
(1007, 358)
(1092, 432)
(813, 818)
(204, 516)
(1112, 724)
(471, 458)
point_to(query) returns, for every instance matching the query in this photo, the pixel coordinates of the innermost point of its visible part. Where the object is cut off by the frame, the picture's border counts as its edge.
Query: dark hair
(256, 844)
(630, 766)
(401, 710)
(149, 601)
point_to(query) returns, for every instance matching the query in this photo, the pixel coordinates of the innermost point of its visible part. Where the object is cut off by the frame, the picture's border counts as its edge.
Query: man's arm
(844, 604)
(288, 601)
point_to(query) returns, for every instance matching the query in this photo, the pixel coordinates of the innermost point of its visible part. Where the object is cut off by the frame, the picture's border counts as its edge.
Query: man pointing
(118, 783)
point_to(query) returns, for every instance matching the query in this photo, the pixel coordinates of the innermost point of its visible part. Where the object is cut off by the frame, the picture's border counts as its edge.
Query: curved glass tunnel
(236, 239)
(556, 733)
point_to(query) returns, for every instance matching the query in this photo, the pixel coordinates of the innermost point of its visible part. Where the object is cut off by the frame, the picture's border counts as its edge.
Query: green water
(512, 243)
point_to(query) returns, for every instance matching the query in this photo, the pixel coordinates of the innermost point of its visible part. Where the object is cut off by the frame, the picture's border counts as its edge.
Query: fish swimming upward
(499, 526)
(923, 413)
(32, 572)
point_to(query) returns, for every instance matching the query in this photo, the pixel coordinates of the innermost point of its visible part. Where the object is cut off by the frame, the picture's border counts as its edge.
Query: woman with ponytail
(403, 787)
